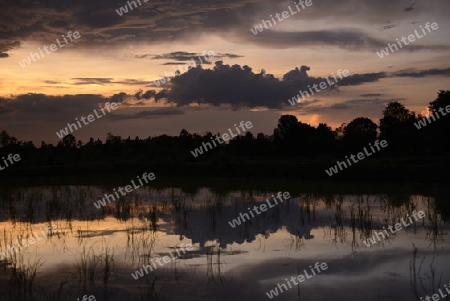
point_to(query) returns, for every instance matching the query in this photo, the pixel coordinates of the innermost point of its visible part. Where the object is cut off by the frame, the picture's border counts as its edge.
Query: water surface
(95, 251)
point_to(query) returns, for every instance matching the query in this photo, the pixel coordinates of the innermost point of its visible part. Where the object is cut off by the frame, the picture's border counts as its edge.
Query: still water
(56, 245)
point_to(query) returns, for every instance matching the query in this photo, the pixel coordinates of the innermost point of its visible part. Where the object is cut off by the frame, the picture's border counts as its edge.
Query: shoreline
(435, 171)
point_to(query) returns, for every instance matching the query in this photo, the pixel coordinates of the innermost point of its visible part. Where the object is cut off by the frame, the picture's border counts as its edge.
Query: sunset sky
(117, 59)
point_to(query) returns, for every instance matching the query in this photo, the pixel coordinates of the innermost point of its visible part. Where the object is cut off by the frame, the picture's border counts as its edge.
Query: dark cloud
(180, 56)
(103, 81)
(240, 87)
(365, 102)
(133, 82)
(147, 95)
(367, 107)
(7, 45)
(371, 95)
(349, 39)
(361, 107)
(409, 8)
(422, 73)
(358, 79)
(141, 56)
(38, 105)
(148, 114)
(175, 63)
(161, 95)
(184, 56)
(162, 22)
(228, 55)
(225, 84)
(339, 106)
(138, 94)
(65, 108)
(216, 56)
(389, 26)
(92, 81)
(120, 97)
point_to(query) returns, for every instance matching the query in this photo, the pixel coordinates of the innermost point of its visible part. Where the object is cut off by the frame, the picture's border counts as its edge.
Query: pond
(178, 242)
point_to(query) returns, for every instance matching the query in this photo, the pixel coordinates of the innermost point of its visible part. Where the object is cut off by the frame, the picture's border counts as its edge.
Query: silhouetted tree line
(290, 138)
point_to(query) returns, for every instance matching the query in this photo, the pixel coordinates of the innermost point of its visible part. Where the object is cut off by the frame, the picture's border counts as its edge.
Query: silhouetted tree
(7, 140)
(68, 141)
(438, 130)
(286, 127)
(442, 100)
(396, 127)
(359, 133)
(325, 140)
